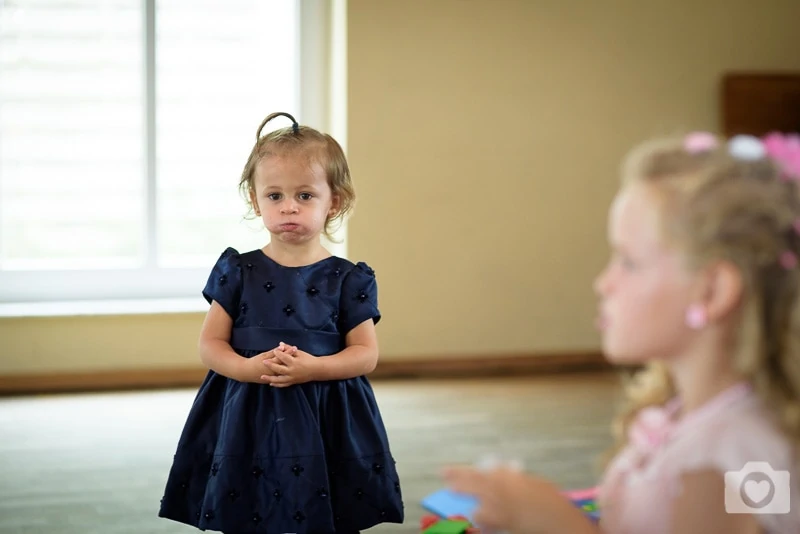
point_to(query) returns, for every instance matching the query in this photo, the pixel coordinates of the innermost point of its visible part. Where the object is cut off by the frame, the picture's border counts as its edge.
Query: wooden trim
(101, 381)
(489, 365)
(429, 367)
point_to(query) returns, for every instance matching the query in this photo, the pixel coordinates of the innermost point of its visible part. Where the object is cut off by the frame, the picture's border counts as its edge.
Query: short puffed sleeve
(359, 299)
(225, 282)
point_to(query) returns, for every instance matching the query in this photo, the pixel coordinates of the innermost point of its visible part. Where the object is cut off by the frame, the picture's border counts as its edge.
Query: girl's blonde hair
(316, 147)
(722, 207)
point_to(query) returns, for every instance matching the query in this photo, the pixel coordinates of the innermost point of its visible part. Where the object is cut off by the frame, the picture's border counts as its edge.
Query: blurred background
(484, 138)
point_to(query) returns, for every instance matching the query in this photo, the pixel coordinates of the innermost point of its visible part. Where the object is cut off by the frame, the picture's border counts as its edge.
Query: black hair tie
(295, 126)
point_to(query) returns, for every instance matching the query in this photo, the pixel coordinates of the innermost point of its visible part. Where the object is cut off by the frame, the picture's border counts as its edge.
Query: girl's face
(292, 197)
(645, 289)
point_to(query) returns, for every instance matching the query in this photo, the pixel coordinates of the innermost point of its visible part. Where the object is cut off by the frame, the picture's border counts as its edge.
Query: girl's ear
(723, 291)
(254, 202)
(336, 203)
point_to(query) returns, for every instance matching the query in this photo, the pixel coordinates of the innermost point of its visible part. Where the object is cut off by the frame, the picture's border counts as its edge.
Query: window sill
(103, 307)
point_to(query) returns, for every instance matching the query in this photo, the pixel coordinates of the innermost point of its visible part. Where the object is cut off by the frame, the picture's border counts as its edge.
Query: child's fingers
(283, 358)
(477, 484)
(276, 379)
(277, 368)
(459, 473)
(464, 479)
(280, 381)
(291, 349)
(488, 518)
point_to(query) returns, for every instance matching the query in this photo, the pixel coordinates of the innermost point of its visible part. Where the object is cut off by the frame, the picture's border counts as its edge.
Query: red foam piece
(428, 520)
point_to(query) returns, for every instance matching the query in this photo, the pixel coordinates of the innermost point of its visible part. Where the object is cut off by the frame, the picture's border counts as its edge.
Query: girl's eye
(305, 196)
(274, 196)
(624, 261)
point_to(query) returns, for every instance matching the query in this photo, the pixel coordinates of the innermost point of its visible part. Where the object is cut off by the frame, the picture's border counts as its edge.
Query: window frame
(321, 64)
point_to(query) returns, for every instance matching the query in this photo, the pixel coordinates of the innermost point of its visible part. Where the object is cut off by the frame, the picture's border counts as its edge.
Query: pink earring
(696, 317)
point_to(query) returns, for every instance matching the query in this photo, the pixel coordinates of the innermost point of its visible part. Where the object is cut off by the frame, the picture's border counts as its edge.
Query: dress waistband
(262, 339)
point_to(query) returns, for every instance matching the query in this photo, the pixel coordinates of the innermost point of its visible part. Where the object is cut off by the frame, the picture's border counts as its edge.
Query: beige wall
(105, 343)
(484, 138)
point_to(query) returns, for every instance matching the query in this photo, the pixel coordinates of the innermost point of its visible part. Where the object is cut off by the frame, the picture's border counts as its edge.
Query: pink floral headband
(784, 149)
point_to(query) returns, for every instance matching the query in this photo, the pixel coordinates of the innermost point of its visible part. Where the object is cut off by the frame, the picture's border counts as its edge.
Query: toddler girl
(285, 434)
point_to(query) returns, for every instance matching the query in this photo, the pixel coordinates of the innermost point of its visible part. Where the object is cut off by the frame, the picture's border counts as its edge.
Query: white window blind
(71, 122)
(124, 127)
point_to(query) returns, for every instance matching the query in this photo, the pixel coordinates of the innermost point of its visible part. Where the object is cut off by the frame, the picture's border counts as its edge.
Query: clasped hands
(284, 366)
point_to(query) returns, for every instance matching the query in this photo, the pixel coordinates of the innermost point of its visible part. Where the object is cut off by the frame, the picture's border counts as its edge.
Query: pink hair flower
(785, 150)
(774, 144)
(791, 165)
(697, 142)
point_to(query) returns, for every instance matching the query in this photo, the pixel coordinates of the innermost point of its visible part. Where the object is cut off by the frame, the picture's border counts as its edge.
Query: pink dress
(726, 433)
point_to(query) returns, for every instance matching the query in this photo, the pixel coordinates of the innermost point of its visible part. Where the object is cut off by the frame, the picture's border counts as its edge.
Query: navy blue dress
(309, 458)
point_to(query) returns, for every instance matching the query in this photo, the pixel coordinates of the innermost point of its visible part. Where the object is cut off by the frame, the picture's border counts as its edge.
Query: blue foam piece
(446, 503)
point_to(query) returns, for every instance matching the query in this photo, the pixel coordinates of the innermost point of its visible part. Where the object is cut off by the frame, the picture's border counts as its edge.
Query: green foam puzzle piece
(447, 526)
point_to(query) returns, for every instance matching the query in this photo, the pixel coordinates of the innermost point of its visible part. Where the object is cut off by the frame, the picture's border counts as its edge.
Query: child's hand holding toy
(511, 501)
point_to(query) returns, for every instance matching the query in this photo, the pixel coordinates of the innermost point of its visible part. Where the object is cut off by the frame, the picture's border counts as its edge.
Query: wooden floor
(96, 463)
